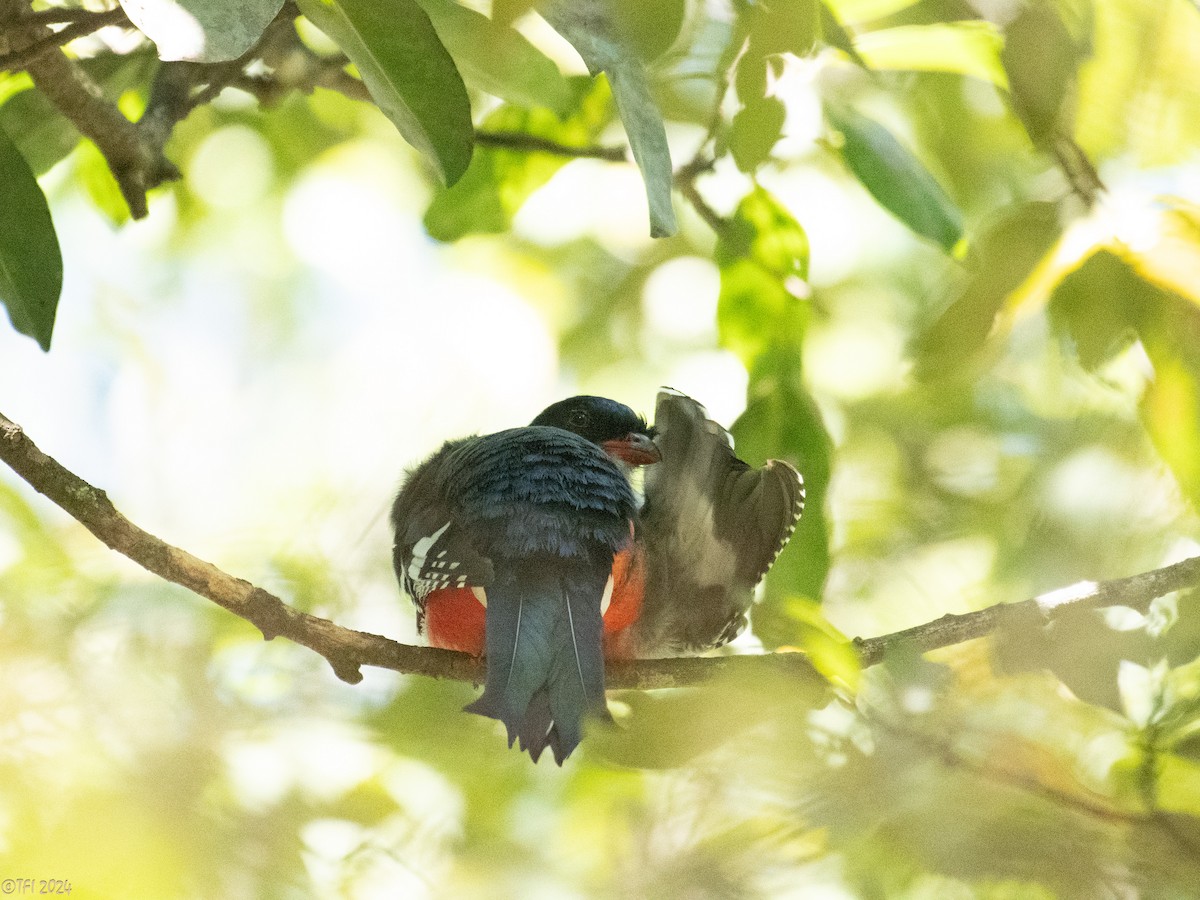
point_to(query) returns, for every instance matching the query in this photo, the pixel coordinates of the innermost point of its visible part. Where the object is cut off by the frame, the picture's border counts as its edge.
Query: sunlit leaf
(205, 31)
(498, 59)
(1172, 260)
(1002, 259)
(896, 178)
(763, 257)
(499, 180)
(968, 48)
(830, 652)
(408, 72)
(866, 10)
(97, 179)
(31, 268)
(1171, 405)
(1178, 784)
(590, 28)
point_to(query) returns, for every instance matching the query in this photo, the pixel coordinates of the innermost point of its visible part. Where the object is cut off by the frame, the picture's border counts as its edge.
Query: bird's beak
(633, 449)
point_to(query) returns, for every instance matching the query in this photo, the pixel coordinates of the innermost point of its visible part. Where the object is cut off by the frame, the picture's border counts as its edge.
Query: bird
(521, 546)
(710, 528)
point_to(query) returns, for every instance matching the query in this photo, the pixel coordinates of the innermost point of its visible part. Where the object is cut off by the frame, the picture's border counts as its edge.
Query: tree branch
(80, 24)
(346, 650)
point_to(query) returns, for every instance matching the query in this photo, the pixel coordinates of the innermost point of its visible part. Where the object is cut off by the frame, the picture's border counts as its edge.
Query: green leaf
(31, 267)
(499, 180)
(896, 178)
(410, 75)
(763, 257)
(967, 48)
(755, 131)
(1094, 307)
(831, 652)
(590, 28)
(93, 173)
(783, 421)
(649, 28)
(1105, 296)
(1002, 259)
(1041, 60)
(207, 31)
(498, 59)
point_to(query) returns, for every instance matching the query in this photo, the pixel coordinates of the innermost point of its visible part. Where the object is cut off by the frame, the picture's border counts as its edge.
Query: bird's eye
(579, 418)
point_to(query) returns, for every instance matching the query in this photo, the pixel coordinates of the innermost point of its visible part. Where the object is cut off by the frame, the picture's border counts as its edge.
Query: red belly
(456, 620)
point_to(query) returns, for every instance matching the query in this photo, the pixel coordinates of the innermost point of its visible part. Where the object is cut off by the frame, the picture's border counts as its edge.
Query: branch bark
(347, 650)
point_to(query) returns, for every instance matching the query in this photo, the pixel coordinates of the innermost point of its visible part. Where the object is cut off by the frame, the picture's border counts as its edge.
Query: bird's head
(620, 432)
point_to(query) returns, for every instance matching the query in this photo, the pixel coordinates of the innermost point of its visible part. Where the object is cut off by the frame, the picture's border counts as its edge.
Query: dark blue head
(614, 426)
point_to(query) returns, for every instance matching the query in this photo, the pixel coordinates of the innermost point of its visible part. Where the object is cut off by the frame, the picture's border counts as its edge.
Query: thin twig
(531, 143)
(347, 650)
(80, 27)
(685, 183)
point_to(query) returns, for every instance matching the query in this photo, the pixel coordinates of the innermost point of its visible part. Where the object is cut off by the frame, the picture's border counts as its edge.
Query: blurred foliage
(983, 356)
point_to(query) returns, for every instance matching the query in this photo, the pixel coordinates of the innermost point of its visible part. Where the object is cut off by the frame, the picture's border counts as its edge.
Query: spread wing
(712, 526)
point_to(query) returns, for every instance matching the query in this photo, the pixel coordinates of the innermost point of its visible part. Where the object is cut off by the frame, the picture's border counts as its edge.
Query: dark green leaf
(590, 28)
(498, 59)
(755, 131)
(896, 178)
(500, 180)
(206, 31)
(1003, 258)
(410, 75)
(30, 261)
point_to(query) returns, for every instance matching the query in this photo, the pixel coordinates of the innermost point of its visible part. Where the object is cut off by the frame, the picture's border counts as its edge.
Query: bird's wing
(712, 527)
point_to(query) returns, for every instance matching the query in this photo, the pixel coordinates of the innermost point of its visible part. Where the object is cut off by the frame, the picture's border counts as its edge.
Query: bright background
(248, 372)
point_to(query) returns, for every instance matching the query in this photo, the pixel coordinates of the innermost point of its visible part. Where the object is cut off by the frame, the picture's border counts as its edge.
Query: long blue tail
(545, 660)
